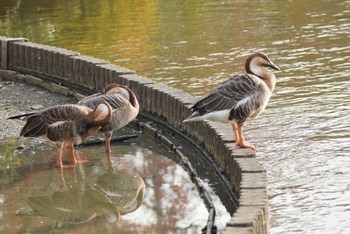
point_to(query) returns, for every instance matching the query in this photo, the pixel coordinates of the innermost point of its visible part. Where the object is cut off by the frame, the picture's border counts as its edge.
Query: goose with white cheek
(66, 125)
(241, 97)
(125, 108)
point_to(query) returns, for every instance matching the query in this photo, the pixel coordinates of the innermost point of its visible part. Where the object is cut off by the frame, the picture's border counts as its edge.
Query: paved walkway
(17, 98)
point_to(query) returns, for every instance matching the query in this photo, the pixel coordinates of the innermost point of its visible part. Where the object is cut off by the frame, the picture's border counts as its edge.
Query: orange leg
(108, 143)
(73, 160)
(235, 131)
(241, 142)
(59, 163)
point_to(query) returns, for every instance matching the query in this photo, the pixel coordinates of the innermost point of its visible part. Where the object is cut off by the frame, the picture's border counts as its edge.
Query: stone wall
(59, 69)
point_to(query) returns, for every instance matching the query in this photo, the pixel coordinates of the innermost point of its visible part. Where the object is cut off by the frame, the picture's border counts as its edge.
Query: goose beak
(274, 66)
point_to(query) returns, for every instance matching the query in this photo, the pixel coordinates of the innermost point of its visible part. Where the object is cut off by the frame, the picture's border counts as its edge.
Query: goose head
(257, 63)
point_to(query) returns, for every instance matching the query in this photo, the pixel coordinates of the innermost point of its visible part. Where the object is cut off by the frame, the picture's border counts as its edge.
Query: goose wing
(239, 94)
(35, 126)
(116, 101)
(37, 123)
(91, 97)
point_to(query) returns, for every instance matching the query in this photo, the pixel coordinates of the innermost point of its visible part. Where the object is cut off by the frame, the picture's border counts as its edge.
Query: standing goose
(240, 97)
(125, 108)
(66, 125)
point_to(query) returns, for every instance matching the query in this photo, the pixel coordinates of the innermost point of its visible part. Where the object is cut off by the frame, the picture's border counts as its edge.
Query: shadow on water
(137, 189)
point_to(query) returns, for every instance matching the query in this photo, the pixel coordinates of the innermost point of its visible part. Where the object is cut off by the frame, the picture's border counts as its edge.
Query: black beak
(274, 66)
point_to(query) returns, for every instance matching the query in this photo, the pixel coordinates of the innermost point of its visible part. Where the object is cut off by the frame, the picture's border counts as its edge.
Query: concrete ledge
(4, 50)
(250, 219)
(64, 71)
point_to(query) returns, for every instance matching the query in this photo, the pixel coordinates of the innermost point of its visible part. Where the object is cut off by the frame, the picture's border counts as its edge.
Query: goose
(240, 97)
(66, 125)
(125, 108)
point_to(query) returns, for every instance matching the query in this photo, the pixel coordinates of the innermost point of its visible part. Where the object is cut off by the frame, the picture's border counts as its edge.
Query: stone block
(49, 60)
(57, 89)
(5, 51)
(27, 56)
(179, 109)
(244, 216)
(33, 80)
(254, 217)
(237, 230)
(8, 75)
(86, 71)
(253, 180)
(69, 68)
(253, 197)
(137, 84)
(13, 55)
(110, 73)
(36, 59)
(249, 164)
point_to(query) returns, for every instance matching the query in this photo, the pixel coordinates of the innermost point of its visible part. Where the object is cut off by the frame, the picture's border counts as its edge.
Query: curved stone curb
(63, 71)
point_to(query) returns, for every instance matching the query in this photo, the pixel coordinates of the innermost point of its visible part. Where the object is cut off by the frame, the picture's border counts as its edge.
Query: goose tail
(194, 117)
(22, 117)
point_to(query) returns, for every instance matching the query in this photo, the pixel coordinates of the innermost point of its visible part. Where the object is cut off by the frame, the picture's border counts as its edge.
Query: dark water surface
(303, 137)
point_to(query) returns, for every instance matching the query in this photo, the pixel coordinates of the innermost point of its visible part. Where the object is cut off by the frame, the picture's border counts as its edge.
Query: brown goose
(124, 104)
(66, 125)
(239, 98)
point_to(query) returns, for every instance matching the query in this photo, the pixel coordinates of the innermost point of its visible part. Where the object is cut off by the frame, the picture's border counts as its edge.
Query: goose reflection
(125, 191)
(78, 204)
(114, 193)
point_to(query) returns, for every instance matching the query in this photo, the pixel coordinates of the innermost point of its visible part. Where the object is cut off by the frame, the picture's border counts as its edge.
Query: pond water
(134, 190)
(302, 138)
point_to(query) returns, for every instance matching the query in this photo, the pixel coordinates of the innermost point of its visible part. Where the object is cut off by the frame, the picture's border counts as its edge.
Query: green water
(303, 136)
